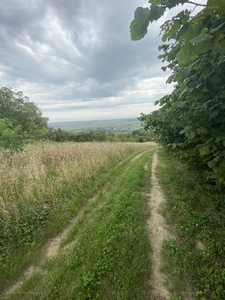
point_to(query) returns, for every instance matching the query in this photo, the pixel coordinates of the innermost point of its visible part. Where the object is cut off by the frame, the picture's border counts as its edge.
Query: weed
(195, 211)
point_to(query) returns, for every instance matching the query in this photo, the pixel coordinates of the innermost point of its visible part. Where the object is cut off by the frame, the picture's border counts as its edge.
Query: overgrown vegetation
(100, 135)
(191, 122)
(195, 213)
(20, 120)
(42, 187)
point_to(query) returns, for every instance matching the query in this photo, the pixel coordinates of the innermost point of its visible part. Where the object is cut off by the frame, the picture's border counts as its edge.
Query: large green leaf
(142, 16)
(203, 47)
(186, 54)
(156, 12)
(136, 32)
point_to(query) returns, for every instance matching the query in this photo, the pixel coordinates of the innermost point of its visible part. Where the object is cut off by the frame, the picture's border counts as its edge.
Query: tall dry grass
(47, 174)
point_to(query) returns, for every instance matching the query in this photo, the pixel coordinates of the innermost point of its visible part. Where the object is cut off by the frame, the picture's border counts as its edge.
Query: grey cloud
(63, 51)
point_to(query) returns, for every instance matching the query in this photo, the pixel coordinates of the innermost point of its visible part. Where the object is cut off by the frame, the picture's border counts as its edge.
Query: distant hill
(113, 125)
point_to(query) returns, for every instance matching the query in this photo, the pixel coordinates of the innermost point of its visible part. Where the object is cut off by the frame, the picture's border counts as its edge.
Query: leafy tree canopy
(17, 108)
(20, 120)
(191, 120)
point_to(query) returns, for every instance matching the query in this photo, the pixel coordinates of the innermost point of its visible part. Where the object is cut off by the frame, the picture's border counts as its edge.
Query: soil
(157, 234)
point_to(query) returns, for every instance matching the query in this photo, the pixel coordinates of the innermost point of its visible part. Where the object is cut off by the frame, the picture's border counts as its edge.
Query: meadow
(43, 187)
(73, 224)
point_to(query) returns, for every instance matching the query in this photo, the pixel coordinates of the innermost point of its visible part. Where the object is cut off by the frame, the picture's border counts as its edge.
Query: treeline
(21, 122)
(99, 135)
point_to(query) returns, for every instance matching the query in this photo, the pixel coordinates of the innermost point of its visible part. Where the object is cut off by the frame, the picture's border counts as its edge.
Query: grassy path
(119, 246)
(112, 242)
(104, 251)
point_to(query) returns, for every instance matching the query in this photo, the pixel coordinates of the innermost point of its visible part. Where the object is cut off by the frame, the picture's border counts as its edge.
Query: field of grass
(45, 186)
(73, 225)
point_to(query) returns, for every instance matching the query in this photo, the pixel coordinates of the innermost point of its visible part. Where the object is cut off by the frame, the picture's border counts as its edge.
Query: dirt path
(52, 247)
(157, 234)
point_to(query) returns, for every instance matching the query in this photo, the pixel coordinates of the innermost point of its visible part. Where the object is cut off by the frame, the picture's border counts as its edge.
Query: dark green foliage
(11, 138)
(191, 120)
(22, 113)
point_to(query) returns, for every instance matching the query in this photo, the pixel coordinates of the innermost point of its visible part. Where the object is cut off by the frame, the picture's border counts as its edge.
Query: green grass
(110, 259)
(24, 234)
(195, 212)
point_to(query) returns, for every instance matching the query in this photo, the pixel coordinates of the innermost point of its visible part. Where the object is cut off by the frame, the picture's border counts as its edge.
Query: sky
(75, 60)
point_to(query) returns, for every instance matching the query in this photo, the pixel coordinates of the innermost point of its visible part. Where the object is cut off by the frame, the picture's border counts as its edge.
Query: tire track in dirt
(157, 234)
(52, 248)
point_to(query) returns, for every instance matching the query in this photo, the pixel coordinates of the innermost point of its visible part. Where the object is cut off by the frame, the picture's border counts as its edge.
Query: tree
(191, 120)
(11, 138)
(17, 108)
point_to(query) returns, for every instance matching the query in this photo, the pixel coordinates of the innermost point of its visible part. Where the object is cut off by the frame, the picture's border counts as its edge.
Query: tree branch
(197, 4)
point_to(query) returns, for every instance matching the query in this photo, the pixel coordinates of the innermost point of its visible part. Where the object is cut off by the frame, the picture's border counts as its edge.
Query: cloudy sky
(75, 59)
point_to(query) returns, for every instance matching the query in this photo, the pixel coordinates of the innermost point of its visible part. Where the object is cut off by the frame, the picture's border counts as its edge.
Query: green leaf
(214, 79)
(156, 12)
(197, 28)
(215, 29)
(201, 38)
(212, 163)
(186, 54)
(202, 151)
(174, 29)
(136, 32)
(214, 114)
(142, 16)
(190, 135)
(170, 79)
(203, 47)
(186, 72)
(182, 105)
(182, 31)
(206, 74)
(156, 2)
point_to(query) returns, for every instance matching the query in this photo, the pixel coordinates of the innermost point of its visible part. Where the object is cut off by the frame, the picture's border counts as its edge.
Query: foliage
(22, 113)
(99, 135)
(11, 138)
(191, 120)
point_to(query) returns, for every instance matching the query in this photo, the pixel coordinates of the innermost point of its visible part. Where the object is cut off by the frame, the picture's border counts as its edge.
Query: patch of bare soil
(51, 249)
(157, 234)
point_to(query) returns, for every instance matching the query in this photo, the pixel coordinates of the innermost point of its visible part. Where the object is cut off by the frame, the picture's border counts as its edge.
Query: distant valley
(113, 125)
